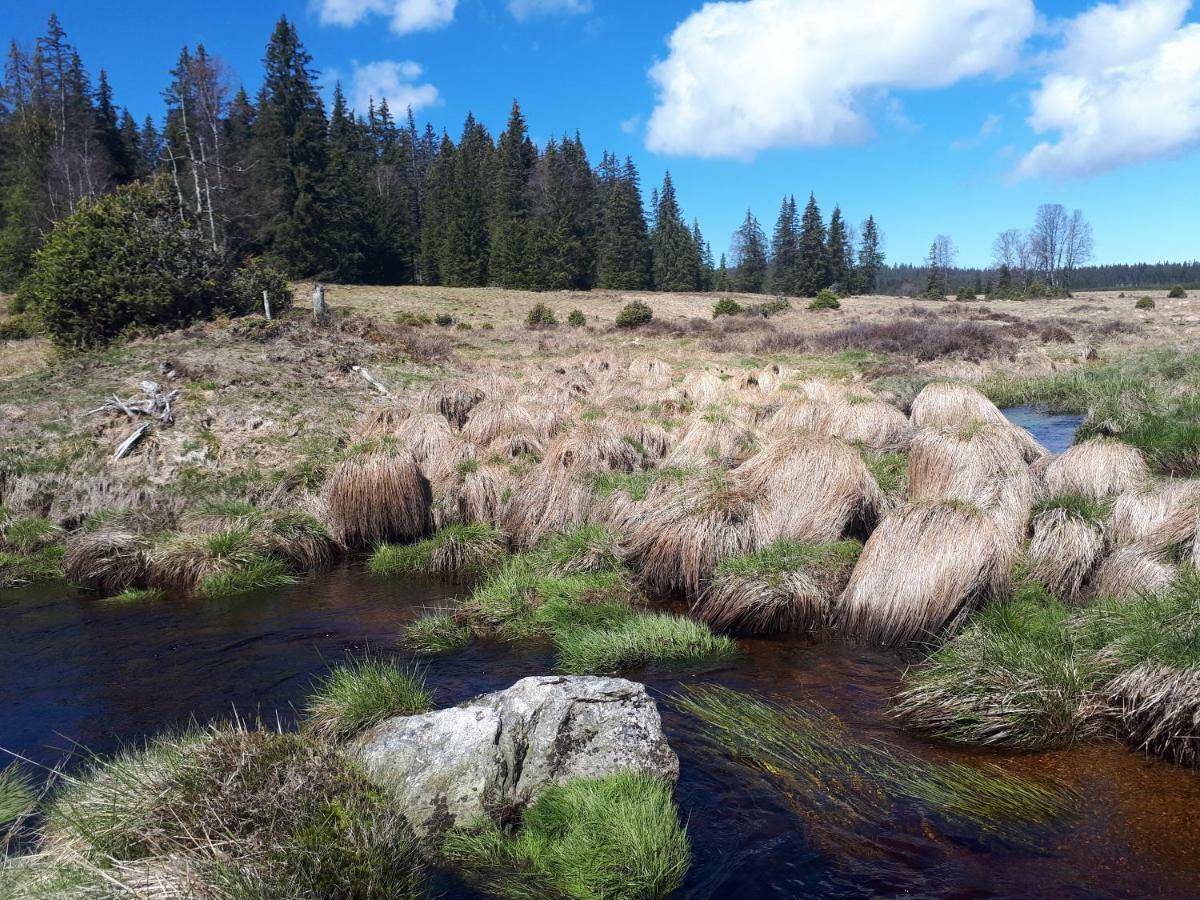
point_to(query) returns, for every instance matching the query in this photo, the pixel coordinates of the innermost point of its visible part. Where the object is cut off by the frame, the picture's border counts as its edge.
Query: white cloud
(528, 9)
(986, 130)
(394, 80)
(744, 77)
(631, 125)
(1124, 88)
(406, 15)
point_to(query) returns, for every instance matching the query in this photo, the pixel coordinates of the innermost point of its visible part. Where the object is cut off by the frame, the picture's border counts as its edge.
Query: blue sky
(925, 113)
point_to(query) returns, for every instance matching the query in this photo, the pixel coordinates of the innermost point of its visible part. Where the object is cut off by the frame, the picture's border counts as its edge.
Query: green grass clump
(247, 813)
(28, 534)
(641, 640)
(777, 560)
(1013, 677)
(256, 574)
(1177, 292)
(356, 695)
(726, 306)
(437, 633)
(1144, 303)
(1149, 630)
(460, 549)
(137, 595)
(588, 548)
(41, 565)
(841, 782)
(590, 839)
(825, 299)
(1077, 506)
(17, 796)
(635, 485)
(890, 471)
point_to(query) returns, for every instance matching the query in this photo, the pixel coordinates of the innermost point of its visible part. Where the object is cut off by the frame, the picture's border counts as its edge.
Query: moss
(356, 695)
(592, 838)
(640, 640)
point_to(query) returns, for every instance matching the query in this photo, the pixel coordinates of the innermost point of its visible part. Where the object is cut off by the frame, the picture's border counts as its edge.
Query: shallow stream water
(76, 672)
(1054, 431)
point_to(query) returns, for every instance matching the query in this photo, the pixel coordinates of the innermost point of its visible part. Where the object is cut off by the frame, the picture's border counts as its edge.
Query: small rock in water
(494, 755)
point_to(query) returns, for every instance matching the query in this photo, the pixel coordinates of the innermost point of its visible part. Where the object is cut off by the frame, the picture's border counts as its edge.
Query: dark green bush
(966, 293)
(825, 299)
(540, 314)
(634, 314)
(251, 280)
(576, 319)
(726, 306)
(1177, 292)
(124, 262)
(415, 320)
(1144, 303)
(18, 327)
(443, 319)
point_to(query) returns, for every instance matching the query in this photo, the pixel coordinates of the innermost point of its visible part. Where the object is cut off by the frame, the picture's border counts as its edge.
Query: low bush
(576, 319)
(825, 299)
(726, 306)
(1144, 303)
(18, 327)
(540, 314)
(249, 283)
(634, 314)
(358, 694)
(922, 340)
(590, 838)
(412, 320)
(445, 320)
(1177, 292)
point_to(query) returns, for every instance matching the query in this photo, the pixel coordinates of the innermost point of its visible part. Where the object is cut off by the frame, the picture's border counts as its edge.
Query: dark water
(77, 671)
(1054, 431)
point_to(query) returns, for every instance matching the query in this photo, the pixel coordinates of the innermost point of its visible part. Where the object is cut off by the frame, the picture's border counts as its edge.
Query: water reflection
(1054, 431)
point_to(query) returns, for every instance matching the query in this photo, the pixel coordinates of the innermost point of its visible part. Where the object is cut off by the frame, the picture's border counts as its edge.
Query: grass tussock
(921, 571)
(641, 640)
(453, 551)
(1130, 571)
(290, 534)
(255, 575)
(590, 839)
(22, 568)
(377, 496)
(1096, 470)
(108, 560)
(17, 798)
(1067, 543)
(784, 588)
(438, 632)
(948, 404)
(588, 548)
(227, 812)
(845, 785)
(865, 422)
(359, 694)
(137, 595)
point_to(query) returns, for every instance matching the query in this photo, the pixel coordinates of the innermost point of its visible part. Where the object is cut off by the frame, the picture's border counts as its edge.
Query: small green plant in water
(257, 574)
(590, 839)
(437, 633)
(356, 695)
(641, 640)
(136, 595)
(459, 549)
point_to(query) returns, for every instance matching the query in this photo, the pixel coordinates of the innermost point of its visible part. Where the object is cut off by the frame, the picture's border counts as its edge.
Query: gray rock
(495, 754)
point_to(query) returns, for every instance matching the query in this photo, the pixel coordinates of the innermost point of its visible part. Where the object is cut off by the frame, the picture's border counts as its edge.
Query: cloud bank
(407, 16)
(393, 80)
(749, 76)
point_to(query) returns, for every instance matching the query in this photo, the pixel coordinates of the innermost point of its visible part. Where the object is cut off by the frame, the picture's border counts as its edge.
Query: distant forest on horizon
(372, 198)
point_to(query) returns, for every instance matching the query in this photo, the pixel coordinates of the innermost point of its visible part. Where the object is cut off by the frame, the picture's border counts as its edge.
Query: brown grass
(495, 417)
(463, 494)
(1130, 571)
(947, 404)
(1096, 469)
(453, 400)
(1158, 708)
(110, 560)
(1064, 551)
(921, 571)
(1156, 515)
(866, 422)
(715, 436)
(377, 497)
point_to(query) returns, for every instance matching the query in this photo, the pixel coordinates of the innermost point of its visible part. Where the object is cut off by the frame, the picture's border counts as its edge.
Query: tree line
(367, 198)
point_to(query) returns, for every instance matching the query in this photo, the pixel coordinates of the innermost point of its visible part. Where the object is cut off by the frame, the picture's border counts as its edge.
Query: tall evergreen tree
(625, 256)
(870, 258)
(512, 261)
(463, 256)
(566, 217)
(721, 280)
(704, 260)
(785, 249)
(437, 202)
(841, 266)
(671, 242)
(813, 273)
(349, 221)
(750, 256)
(290, 156)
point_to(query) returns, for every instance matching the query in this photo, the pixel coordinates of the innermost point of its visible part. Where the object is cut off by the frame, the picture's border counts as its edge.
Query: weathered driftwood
(371, 380)
(155, 404)
(130, 442)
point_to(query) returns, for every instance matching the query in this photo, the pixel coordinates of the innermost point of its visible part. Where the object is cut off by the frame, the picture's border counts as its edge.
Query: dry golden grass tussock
(495, 417)
(1064, 551)
(799, 414)
(376, 497)
(682, 532)
(814, 488)
(924, 568)
(651, 374)
(717, 435)
(1129, 571)
(592, 447)
(110, 560)
(453, 400)
(647, 434)
(871, 424)
(1158, 708)
(471, 491)
(951, 404)
(1155, 516)
(978, 464)
(381, 421)
(820, 391)
(702, 388)
(428, 436)
(1096, 469)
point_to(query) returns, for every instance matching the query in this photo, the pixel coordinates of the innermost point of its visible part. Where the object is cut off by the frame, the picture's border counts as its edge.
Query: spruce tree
(935, 284)
(463, 255)
(290, 156)
(840, 268)
(435, 207)
(565, 232)
(750, 256)
(349, 229)
(785, 249)
(721, 280)
(704, 262)
(671, 241)
(814, 254)
(870, 258)
(625, 256)
(512, 261)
